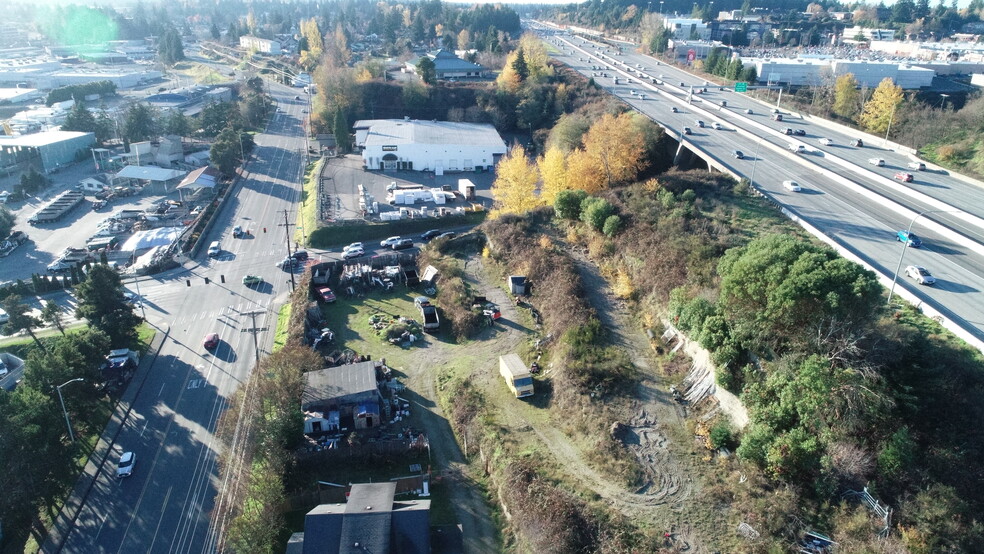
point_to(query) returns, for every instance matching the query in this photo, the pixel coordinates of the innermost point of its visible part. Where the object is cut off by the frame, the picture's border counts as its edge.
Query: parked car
(403, 244)
(792, 186)
(210, 341)
(353, 253)
(388, 243)
(125, 467)
(326, 294)
(904, 177)
(738, 154)
(799, 132)
(920, 275)
(826, 141)
(288, 262)
(252, 280)
(300, 255)
(909, 238)
(428, 235)
(98, 205)
(876, 161)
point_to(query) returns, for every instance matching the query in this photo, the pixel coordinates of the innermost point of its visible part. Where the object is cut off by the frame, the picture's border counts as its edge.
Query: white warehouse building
(438, 146)
(810, 71)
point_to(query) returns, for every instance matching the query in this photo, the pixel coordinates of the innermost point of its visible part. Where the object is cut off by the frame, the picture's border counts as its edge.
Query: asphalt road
(855, 221)
(165, 506)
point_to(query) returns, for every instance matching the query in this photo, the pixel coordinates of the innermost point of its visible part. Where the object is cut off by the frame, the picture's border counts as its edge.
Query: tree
(140, 122)
(464, 39)
(213, 118)
(903, 11)
(846, 96)
(226, 151)
(343, 140)
(878, 112)
(594, 212)
(214, 31)
(615, 145)
(20, 318)
(780, 291)
(567, 204)
(177, 124)
(427, 70)
(102, 304)
(169, 48)
(80, 119)
(566, 134)
(7, 219)
(52, 314)
(519, 65)
(553, 174)
(514, 189)
(314, 44)
(584, 172)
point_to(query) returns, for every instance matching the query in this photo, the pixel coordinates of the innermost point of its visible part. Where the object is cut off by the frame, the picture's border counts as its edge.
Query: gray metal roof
(368, 518)
(336, 382)
(402, 131)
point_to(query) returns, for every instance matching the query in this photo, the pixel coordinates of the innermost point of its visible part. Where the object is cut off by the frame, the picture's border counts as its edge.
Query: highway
(853, 214)
(165, 506)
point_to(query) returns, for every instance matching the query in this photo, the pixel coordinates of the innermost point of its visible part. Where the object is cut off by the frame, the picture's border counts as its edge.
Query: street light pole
(905, 244)
(891, 118)
(68, 424)
(943, 98)
(751, 180)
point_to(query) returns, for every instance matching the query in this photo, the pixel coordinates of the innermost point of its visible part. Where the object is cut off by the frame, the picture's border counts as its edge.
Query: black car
(430, 234)
(738, 154)
(799, 133)
(788, 131)
(687, 131)
(300, 255)
(403, 244)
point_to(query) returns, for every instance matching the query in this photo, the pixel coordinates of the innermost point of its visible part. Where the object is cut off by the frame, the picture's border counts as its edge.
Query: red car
(211, 341)
(904, 177)
(326, 294)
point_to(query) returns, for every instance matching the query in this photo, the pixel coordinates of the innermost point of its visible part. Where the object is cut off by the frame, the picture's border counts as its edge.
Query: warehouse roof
(402, 131)
(150, 173)
(42, 139)
(331, 383)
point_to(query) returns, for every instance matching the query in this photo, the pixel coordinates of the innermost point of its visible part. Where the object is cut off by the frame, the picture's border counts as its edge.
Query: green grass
(307, 216)
(280, 337)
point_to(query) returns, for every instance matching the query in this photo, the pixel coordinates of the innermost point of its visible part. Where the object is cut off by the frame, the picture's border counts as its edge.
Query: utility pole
(289, 257)
(254, 330)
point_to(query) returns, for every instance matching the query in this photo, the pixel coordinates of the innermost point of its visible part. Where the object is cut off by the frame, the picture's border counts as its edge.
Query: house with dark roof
(449, 66)
(348, 394)
(371, 521)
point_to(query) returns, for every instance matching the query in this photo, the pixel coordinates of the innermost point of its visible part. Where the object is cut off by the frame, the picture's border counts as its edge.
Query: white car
(717, 126)
(792, 186)
(826, 141)
(388, 243)
(353, 246)
(876, 161)
(797, 148)
(920, 275)
(125, 467)
(353, 253)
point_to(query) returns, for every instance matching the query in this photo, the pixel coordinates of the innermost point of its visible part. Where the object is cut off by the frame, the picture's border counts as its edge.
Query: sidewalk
(73, 504)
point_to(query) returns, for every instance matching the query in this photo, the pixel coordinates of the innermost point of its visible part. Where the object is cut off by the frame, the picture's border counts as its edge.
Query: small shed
(351, 390)
(518, 285)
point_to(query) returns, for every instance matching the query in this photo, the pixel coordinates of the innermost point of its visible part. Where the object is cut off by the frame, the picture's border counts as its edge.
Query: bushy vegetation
(79, 92)
(453, 294)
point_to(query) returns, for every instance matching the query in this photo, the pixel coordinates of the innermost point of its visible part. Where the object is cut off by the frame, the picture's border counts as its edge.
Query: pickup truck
(15, 239)
(428, 312)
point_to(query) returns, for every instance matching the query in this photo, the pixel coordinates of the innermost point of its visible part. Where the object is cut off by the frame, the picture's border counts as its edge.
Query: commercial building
(852, 34)
(371, 521)
(439, 146)
(685, 28)
(262, 45)
(449, 66)
(814, 71)
(45, 151)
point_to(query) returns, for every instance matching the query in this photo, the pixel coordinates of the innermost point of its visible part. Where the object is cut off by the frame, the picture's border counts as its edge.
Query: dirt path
(662, 498)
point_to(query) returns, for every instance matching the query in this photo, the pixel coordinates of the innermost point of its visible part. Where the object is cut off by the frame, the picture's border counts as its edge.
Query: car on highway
(920, 275)
(214, 249)
(787, 131)
(738, 154)
(687, 131)
(717, 126)
(909, 238)
(428, 235)
(210, 341)
(858, 142)
(237, 232)
(682, 84)
(252, 280)
(826, 141)
(876, 161)
(700, 124)
(353, 253)
(797, 148)
(904, 176)
(297, 98)
(403, 244)
(777, 116)
(447, 235)
(749, 111)
(125, 467)
(791, 186)
(918, 166)
(353, 246)
(674, 109)
(799, 132)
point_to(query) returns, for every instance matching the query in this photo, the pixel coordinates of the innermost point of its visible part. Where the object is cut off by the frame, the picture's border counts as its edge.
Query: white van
(214, 249)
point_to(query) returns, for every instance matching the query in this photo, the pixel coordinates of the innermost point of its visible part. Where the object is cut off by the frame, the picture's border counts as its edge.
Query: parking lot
(342, 177)
(48, 240)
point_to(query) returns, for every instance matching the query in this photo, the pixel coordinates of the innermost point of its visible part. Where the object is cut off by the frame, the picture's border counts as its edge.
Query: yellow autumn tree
(880, 108)
(535, 54)
(509, 79)
(464, 39)
(553, 174)
(514, 189)
(583, 173)
(615, 145)
(315, 44)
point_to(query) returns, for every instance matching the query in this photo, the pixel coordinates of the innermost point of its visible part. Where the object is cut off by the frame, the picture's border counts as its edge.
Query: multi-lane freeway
(165, 505)
(859, 205)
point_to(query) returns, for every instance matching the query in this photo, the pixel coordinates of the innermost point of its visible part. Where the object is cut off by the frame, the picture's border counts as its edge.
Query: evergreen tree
(340, 128)
(519, 66)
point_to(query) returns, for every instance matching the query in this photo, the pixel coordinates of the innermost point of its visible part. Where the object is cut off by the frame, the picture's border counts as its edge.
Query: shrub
(612, 225)
(594, 212)
(567, 205)
(721, 435)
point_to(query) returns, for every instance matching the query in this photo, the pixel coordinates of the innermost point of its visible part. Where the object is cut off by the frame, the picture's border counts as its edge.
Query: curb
(65, 520)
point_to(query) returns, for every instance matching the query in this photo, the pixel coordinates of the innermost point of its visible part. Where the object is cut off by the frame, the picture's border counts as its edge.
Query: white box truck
(517, 375)
(466, 188)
